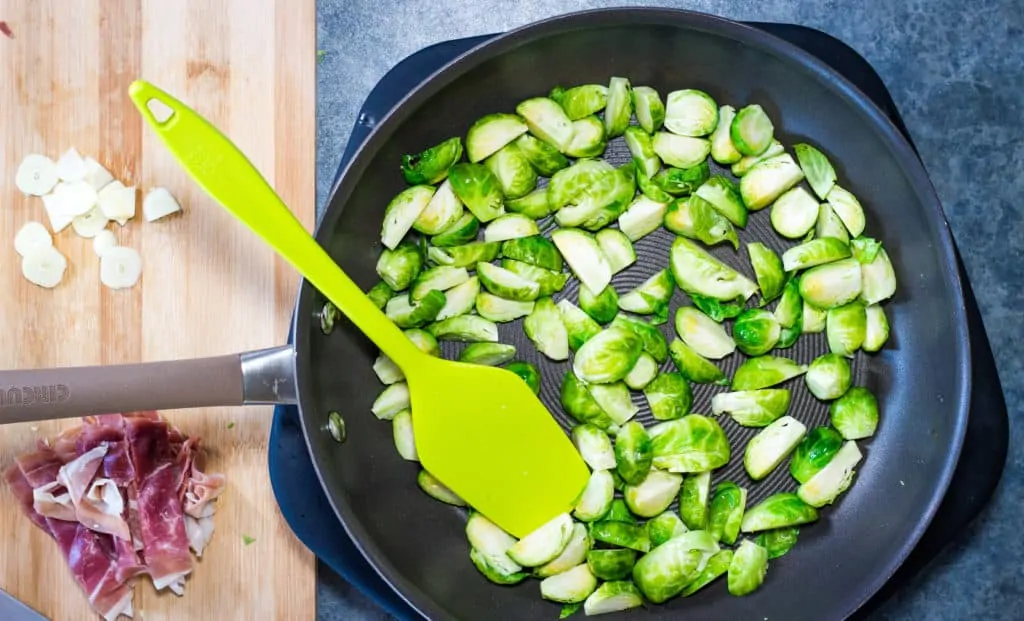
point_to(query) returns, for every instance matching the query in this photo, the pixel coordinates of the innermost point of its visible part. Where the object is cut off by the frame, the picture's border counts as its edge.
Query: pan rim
(913, 168)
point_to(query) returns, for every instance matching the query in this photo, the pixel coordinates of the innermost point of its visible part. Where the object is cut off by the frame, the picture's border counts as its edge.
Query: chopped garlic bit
(44, 266)
(71, 166)
(120, 267)
(96, 175)
(75, 198)
(90, 224)
(58, 221)
(159, 203)
(104, 239)
(30, 236)
(36, 176)
(118, 202)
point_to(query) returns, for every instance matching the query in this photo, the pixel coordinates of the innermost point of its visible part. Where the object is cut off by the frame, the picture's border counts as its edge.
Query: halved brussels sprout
(574, 585)
(717, 309)
(681, 181)
(549, 281)
(584, 256)
(633, 453)
(424, 341)
(778, 541)
(443, 211)
(602, 307)
(379, 294)
(693, 443)
(579, 326)
(848, 208)
(490, 133)
(615, 400)
(654, 494)
(651, 297)
(818, 170)
(726, 513)
(696, 270)
(492, 542)
(535, 250)
(642, 373)
(747, 569)
(478, 189)
(608, 356)
(877, 332)
(846, 327)
(751, 131)
(815, 252)
(464, 328)
(855, 414)
(462, 231)
(768, 270)
(667, 569)
(544, 158)
(534, 205)
(669, 396)
(407, 314)
(829, 225)
(596, 498)
(828, 376)
(577, 401)
(831, 285)
(528, 372)
(779, 511)
(722, 149)
(619, 511)
(663, 527)
(501, 310)
(641, 147)
(506, 284)
(649, 109)
(547, 121)
(510, 226)
(544, 543)
(583, 100)
(402, 212)
(617, 249)
(460, 299)
(399, 267)
(544, 327)
(436, 490)
(680, 151)
(610, 195)
(690, 112)
(513, 171)
(771, 446)
(794, 213)
(703, 334)
(614, 564)
(619, 108)
(695, 218)
(391, 401)
(614, 596)
(387, 371)
(723, 195)
(587, 138)
(716, 566)
(878, 279)
(594, 445)
(574, 553)
(832, 480)
(767, 181)
(642, 217)
(490, 354)
(814, 452)
(813, 319)
(865, 249)
(651, 188)
(651, 337)
(431, 166)
(752, 408)
(765, 372)
(695, 367)
(568, 184)
(622, 534)
(693, 500)
(494, 570)
(789, 310)
(440, 278)
(747, 162)
(756, 331)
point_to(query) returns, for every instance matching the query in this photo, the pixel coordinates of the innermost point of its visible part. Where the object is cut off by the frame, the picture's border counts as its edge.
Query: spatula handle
(224, 172)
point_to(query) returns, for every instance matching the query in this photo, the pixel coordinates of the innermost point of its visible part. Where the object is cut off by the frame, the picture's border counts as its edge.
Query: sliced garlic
(75, 198)
(103, 241)
(30, 236)
(58, 220)
(96, 175)
(90, 224)
(158, 204)
(120, 267)
(37, 174)
(117, 202)
(44, 266)
(71, 166)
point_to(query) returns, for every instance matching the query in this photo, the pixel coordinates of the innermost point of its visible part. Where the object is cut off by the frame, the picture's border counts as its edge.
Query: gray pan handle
(261, 377)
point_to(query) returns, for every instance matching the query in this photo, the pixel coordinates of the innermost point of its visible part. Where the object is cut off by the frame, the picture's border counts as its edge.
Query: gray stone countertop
(956, 72)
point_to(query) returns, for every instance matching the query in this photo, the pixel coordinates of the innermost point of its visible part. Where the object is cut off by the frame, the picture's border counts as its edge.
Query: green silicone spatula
(479, 429)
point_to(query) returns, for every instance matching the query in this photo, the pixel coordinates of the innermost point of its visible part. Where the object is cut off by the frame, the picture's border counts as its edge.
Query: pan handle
(260, 377)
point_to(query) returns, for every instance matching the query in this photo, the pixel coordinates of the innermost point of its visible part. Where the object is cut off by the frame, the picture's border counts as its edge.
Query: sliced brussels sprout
(587, 138)
(663, 527)
(527, 371)
(695, 367)
(405, 440)
(818, 170)
(767, 181)
(747, 162)
(399, 267)
(616, 402)
(534, 205)
(584, 256)
(387, 371)
(583, 100)
(642, 373)
(579, 326)
(669, 396)
(610, 195)
(654, 494)
(580, 404)
(703, 334)
(832, 480)
(619, 108)
(683, 181)
(693, 443)
(680, 151)
(831, 285)
(571, 586)
(622, 534)
(489, 354)
(436, 490)
(722, 149)
(408, 314)
(543, 544)
(865, 249)
(460, 299)
(794, 213)
(465, 328)
(535, 250)
(846, 327)
(747, 569)
(568, 184)
(490, 133)
(651, 188)
(614, 564)
(494, 570)
(510, 226)
(431, 166)
(828, 376)
(642, 217)
(424, 341)
(695, 270)
(549, 281)
(652, 338)
(693, 500)
(695, 218)
(465, 255)
(651, 297)
(765, 372)
(878, 279)
(619, 511)
(641, 147)
(402, 212)
(633, 453)
(544, 327)
(391, 401)
(778, 541)
(848, 208)
(506, 284)
(595, 446)
(574, 553)
(602, 307)
(789, 310)
(752, 408)
(726, 513)
(597, 497)
(649, 109)
(751, 131)
(716, 566)
(614, 596)
(788, 337)
(768, 271)
(771, 446)
(440, 278)
(756, 331)
(855, 414)
(690, 112)
(544, 158)
(443, 210)
(667, 569)
(547, 120)
(829, 225)
(717, 309)
(813, 253)
(379, 294)
(617, 249)
(501, 310)
(877, 331)
(462, 231)
(478, 189)
(813, 319)
(723, 195)
(608, 356)
(814, 452)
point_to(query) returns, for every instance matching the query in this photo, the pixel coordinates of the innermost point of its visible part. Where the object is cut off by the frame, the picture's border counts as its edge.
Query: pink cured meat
(92, 560)
(19, 485)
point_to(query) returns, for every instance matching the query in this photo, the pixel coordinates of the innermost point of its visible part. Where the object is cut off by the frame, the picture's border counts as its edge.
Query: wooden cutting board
(208, 287)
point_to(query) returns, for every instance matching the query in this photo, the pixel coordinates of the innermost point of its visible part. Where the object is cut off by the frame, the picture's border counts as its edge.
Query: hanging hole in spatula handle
(151, 102)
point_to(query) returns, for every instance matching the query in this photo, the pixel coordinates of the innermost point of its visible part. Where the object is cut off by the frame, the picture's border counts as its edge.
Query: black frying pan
(417, 544)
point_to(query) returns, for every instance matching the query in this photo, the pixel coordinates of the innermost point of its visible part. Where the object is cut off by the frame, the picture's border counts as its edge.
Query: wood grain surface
(208, 287)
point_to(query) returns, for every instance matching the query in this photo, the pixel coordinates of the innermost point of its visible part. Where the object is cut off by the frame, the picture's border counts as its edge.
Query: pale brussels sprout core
(828, 377)
(654, 494)
(690, 112)
(649, 109)
(594, 446)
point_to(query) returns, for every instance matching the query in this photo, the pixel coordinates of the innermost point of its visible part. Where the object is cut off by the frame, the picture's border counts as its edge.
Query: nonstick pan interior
(920, 377)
